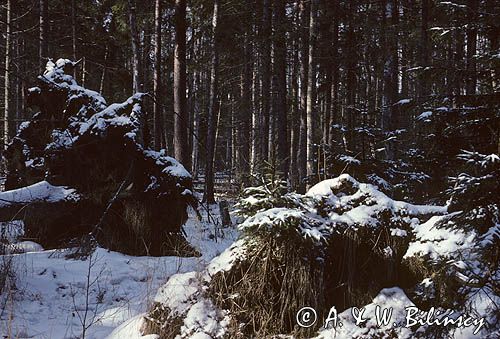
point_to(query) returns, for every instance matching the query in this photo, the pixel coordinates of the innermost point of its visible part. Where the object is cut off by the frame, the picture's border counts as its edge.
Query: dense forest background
(390, 91)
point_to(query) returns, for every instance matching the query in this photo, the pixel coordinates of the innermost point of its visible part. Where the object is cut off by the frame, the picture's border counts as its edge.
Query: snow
(349, 160)
(55, 74)
(179, 292)
(61, 140)
(365, 214)
(204, 320)
(24, 247)
(11, 230)
(50, 299)
(170, 165)
(325, 187)
(397, 232)
(403, 102)
(388, 298)
(183, 296)
(379, 182)
(435, 241)
(41, 191)
(271, 217)
(227, 259)
(492, 235)
(108, 117)
(50, 294)
(131, 329)
(424, 115)
(476, 157)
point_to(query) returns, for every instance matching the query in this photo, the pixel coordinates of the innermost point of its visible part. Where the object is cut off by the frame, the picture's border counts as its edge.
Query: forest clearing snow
(49, 300)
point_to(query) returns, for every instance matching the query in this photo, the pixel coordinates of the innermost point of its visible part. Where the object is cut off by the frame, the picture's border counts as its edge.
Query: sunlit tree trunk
(208, 195)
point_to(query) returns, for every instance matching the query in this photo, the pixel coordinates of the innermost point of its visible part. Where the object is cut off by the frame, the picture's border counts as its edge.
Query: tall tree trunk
(389, 70)
(350, 86)
(266, 76)
(255, 152)
(208, 195)
(6, 116)
(424, 85)
(136, 66)
(303, 71)
(196, 125)
(73, 32)
(295, 122)
(181, 146)
(157, 103)
(473, 7)
(311, 82)
(334, 92)
(282, 158)
(271, 131)
(493, 36)
(458, 62)
(44, 30)
(103, 75)
(245, 111)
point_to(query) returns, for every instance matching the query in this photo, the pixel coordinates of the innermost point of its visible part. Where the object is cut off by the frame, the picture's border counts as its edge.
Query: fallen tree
(81, 166)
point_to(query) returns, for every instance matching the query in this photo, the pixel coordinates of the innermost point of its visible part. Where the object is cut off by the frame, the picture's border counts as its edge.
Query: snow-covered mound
(346, 245)
(344, 241)
(393, 300)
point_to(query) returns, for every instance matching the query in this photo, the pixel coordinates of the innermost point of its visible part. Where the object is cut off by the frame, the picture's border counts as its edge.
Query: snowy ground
(50, 295)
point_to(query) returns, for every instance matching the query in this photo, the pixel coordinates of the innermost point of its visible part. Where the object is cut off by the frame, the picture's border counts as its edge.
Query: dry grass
(265, 291)
(161, 322)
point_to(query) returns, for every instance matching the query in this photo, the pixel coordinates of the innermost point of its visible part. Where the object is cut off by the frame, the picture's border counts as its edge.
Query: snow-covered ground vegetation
(50, 296)
(345, 244)
(344, 249)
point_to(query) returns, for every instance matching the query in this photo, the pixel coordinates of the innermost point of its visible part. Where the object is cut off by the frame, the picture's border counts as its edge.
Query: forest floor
(54, 297)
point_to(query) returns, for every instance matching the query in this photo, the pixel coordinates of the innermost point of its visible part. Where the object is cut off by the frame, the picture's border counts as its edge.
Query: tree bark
(311, 82)
(6, 117)
(44, 29)
(282, 158)
(245, 111)
(424, 84)
(303, 71)
(181, 147)
(295, 116)
(473, 7)
(256, 137)
(335, 73)
(208, 195)
(157, 103)
(196, 126)
(388, 39)
(136, 66)
(266, 77)
(73, 33)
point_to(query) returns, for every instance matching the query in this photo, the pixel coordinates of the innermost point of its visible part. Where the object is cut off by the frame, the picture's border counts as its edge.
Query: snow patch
(39, 192)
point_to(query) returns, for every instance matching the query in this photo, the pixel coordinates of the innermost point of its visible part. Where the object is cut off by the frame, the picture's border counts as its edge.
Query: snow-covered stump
(338, 245)
(131, 199)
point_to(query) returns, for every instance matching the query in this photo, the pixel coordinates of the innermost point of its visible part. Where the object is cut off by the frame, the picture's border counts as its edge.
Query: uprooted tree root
(266, 290)
(279, 277)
